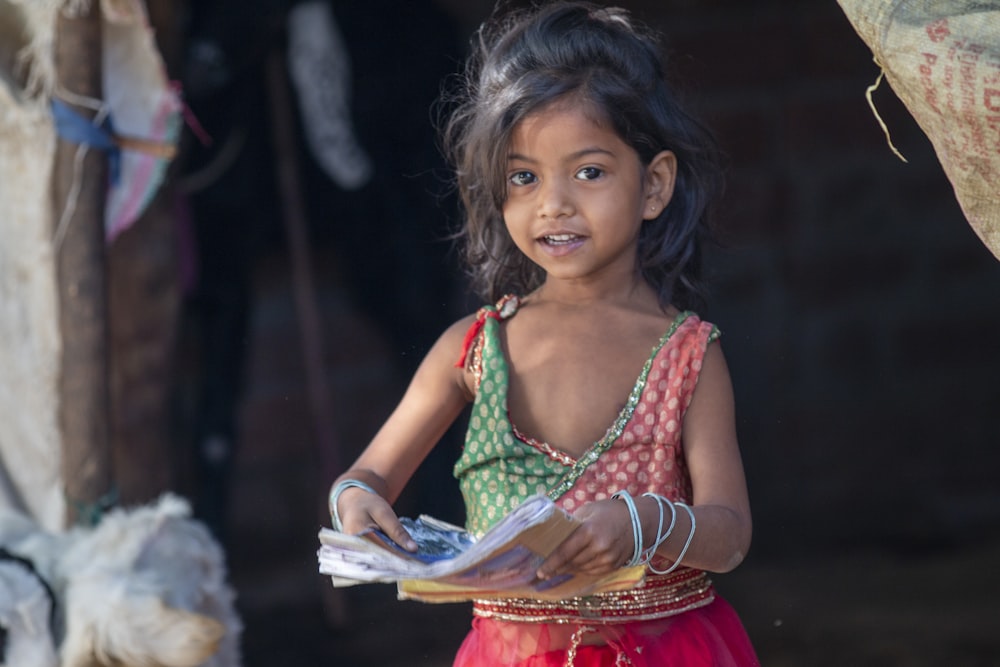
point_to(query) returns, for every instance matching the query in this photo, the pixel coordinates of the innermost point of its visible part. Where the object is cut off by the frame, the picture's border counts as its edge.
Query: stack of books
(450, 565)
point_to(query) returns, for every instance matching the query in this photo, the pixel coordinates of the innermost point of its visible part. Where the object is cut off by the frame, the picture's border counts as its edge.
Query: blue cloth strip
(75, 128)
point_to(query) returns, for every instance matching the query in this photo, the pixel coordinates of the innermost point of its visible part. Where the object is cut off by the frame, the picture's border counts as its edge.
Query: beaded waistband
(658, 597)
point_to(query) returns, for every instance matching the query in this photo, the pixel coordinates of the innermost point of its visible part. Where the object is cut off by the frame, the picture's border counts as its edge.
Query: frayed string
(73, 195)
(90, 513)
(189, 118)
(871, 103)
(74, 9)
(72, 198)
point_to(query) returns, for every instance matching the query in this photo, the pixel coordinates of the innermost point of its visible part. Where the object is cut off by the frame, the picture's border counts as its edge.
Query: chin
(147, 586)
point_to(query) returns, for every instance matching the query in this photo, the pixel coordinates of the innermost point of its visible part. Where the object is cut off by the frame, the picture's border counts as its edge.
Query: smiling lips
(561, 239)
(561, 244)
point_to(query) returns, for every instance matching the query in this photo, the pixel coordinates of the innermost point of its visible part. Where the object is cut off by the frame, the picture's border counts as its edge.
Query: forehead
(564, 125)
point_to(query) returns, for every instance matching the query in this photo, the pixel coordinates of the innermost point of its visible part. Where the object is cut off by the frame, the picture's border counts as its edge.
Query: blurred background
(860, 316)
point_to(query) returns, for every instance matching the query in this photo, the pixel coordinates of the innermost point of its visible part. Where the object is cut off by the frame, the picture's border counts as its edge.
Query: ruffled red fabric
(711, 636)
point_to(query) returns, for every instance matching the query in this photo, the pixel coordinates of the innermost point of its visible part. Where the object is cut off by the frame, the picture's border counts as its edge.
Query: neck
(632, 292)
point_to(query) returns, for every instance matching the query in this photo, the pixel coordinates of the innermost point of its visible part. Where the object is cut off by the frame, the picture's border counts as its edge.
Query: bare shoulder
(713, 377)
(451, 343)
(710, 421)
(455, 333)
(715, 358)
(445, 358)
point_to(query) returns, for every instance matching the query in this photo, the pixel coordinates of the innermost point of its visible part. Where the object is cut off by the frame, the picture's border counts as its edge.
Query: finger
(558, 561)
(592, 560)
(603, 563)
(389, 523)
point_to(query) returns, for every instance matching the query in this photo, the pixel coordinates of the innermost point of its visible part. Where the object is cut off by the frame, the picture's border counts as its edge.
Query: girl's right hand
(360, 510)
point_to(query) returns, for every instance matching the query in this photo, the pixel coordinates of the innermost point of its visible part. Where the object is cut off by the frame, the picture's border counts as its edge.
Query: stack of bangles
(335, 492)
(642, 556)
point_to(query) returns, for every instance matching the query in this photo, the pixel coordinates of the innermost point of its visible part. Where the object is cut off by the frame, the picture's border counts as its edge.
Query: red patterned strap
(472, 333)
(505, 307)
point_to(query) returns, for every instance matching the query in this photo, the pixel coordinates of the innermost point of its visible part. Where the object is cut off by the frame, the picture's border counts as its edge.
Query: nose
(554, 199)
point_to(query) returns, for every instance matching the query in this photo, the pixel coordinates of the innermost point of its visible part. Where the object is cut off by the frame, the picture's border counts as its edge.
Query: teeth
(560, 238)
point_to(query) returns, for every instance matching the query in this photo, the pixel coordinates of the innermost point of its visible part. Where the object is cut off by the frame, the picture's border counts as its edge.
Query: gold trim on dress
(659, 597)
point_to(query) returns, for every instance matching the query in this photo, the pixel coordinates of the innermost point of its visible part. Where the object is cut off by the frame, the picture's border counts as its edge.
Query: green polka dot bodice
(498, 470)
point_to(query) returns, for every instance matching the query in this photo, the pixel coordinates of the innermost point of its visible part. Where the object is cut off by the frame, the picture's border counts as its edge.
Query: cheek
(508, 218)
(512, 214)
(519, 234)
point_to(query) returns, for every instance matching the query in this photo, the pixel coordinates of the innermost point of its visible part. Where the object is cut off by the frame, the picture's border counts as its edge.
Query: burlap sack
(942, 58)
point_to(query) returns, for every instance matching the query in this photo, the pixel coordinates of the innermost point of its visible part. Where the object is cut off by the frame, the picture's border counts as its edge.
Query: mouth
(560, 239)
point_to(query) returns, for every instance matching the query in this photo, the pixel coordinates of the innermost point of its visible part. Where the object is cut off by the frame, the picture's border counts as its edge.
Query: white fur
(146, 587)
(24, 614)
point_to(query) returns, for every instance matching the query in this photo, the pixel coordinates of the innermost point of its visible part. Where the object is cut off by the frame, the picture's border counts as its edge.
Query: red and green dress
(673, 619)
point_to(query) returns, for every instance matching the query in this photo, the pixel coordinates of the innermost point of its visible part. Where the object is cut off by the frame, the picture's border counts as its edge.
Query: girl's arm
(435, 397)
(721, 507)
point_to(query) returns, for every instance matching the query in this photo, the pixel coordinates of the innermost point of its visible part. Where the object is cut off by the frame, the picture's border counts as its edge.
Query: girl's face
(577, 194)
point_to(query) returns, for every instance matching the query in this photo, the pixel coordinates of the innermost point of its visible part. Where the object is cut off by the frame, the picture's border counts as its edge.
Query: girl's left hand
(600, 545)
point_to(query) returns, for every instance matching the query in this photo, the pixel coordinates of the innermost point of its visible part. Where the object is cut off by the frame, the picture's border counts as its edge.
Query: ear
(661, 172)
(131, 628)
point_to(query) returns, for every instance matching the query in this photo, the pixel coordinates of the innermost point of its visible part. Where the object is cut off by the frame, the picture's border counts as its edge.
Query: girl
(585, 190)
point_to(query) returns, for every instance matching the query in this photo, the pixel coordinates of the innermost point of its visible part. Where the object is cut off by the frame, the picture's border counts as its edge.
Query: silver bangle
(335, 492)
(687, 544)
(633, 514)
(661, 536)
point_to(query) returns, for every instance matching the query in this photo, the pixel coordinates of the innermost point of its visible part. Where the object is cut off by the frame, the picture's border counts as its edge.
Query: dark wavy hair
(524, 60)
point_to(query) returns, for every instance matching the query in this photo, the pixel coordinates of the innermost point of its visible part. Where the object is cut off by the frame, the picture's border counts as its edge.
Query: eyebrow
(583, 152)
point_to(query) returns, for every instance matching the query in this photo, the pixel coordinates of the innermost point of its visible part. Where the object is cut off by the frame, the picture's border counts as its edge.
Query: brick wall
(861, 315)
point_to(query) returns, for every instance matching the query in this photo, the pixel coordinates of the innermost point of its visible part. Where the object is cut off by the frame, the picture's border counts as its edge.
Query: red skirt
(710, 636)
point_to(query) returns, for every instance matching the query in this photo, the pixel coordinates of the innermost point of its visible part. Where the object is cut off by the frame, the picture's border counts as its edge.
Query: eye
(590, 173)
(522, 178)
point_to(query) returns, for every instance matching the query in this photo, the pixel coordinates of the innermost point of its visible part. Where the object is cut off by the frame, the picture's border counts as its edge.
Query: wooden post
(289, 188)
(82, 285)
(144, 303)
(310, 324)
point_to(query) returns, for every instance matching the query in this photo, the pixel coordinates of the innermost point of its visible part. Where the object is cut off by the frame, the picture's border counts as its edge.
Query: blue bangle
(335, 492)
